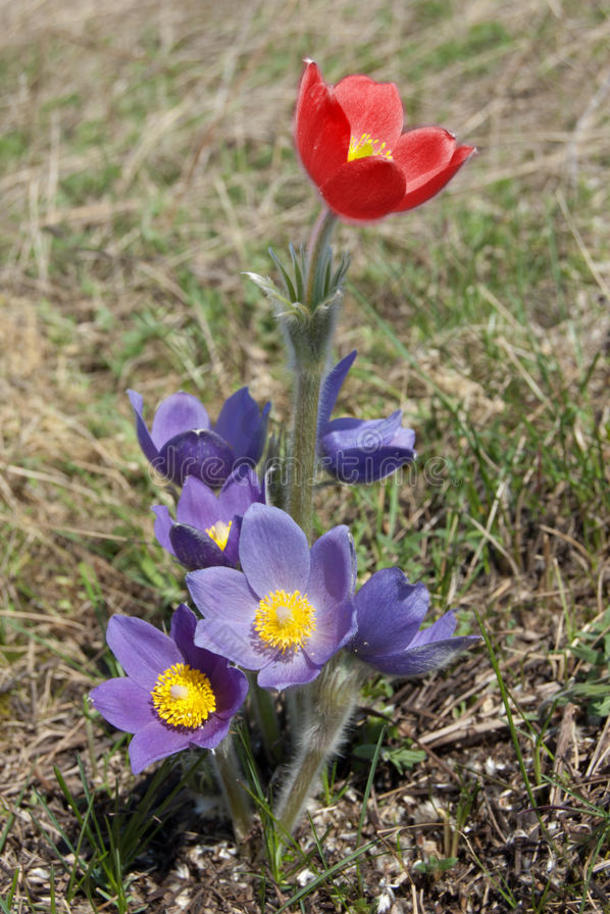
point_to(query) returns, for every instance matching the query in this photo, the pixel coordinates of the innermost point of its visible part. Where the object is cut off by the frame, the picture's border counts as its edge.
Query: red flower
(350, 140)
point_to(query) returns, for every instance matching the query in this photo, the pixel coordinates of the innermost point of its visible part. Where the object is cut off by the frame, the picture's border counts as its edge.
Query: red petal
(422, 153)
(371, 107)
(365, 189)
(321, 129)
(435, 181)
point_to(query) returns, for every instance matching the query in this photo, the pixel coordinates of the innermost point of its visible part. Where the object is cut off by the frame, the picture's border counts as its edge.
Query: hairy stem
(319, 712)
(303, 451)
(310, 350)
(229, 775)
(333, 698)
(263, 706)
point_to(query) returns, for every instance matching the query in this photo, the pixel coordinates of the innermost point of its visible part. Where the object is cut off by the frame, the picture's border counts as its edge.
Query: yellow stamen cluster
(285, 620)
(219, 532)
(366, 146)
(183, 697)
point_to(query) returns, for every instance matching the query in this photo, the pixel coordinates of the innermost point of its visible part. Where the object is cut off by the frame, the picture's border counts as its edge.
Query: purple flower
(389, 612)
(182, 441)
(175, 695)
(290, 610)
(359, 450)
(207, 526)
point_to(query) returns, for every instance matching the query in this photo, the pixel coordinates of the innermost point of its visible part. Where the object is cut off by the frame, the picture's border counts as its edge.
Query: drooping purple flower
(359, 450)
(182, 442)
(289, 610)
(389, 613)
(175, 695)
(207, 526)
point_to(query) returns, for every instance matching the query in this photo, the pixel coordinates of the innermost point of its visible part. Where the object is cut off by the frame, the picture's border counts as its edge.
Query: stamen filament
(219, 532)
(365, 146)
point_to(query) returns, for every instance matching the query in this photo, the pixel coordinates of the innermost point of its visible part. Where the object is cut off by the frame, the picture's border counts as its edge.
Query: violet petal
(163, 526)
(287, 670)
(389, 612)
(365, 434)
(358, 466)
(200, 453)
(241, 424)
(335, 626)
(154, 742)
(178, 413)
(183, 625)
(123, 703)
(273, 551)
(231, 550)
(240, 491)
(223, 592)
(212, 732)
(228, 605)
(197, 505)
(231, 687)
(238, 643)
(142, 650)
(440, 630)
(332, 574)
(330, 389)
(404, 438)
(148, 446)
(195, 549)
(418, 661)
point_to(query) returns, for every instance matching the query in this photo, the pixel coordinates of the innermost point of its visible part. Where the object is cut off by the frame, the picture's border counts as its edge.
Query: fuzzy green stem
(230, 778)
(303, 451)
(318, 713)
(310, 359)
(266, 718)
(333, 698)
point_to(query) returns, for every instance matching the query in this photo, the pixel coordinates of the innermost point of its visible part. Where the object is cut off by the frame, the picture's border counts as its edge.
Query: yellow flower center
(183, 697)
(285, 620)
(367, 146)
(219, 532)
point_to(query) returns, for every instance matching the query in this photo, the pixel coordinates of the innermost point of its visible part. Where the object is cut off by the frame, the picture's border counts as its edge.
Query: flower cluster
(267, 601)
(284, 614)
